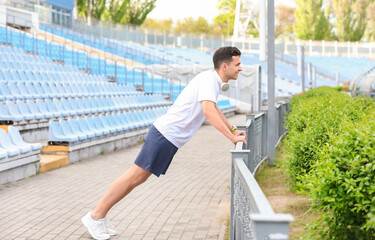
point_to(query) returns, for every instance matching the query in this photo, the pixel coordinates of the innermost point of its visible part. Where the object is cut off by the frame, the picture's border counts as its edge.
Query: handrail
(252, 188)
(252, 217)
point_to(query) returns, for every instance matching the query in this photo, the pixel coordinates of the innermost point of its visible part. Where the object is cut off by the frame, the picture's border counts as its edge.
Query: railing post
(264, 134)
(276, 225)
(236, 153)
(250, 143)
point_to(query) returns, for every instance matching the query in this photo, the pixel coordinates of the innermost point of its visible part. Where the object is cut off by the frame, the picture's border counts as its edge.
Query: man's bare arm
(215, 118)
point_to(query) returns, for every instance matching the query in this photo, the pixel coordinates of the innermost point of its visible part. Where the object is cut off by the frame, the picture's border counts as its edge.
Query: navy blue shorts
(156, 154)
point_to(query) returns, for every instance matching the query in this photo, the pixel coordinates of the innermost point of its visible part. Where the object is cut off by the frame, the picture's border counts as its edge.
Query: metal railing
(252, 217)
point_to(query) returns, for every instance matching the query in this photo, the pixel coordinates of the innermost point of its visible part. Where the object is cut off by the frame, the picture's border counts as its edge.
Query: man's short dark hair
(224, 54)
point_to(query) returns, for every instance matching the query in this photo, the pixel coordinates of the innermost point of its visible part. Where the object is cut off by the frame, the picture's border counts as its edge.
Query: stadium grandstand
(70, 91)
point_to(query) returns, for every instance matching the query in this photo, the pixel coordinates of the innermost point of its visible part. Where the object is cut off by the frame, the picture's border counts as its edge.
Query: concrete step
(49, 162)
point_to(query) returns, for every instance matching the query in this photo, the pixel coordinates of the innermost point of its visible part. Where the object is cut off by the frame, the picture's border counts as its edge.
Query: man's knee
(139, 175)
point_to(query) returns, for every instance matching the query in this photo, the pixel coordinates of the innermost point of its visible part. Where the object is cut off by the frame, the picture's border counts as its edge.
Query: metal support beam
(271, 139)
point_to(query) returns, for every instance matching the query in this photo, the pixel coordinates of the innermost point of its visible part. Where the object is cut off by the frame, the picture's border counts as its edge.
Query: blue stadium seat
(3, 152)
(16, 139)
(35, 110)
(113, 123)
(24, 110)
(91, 105)
(5, 115)
(7, 145)
(78, 106)
(14, 91)
(57, 103)
(132, 117)
(52, 108)
(77, 129)
(47, 92)
(68, 131)
(56, 134)
(99, 125)
(44, 110)
(32, 90)
(13, 111)
(85, 128)
(67, 106)
(92, 127)
(107, 125)
(126, 121)
(54, 90)
(39, 89)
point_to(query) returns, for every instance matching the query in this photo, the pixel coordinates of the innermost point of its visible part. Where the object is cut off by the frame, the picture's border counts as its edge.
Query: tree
(90, 8)
(129, 12)
(184, 25)
(350, 18)
(370, 27)
(311, 22)
(285, 21)
(226, 17)
(190, 25)
(116, 11)
(162, 25)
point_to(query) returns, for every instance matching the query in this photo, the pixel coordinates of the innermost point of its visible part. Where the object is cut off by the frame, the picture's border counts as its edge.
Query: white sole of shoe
(92, 235)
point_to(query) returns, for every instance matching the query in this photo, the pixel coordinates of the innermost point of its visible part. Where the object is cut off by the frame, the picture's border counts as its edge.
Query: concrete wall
(2, 13)
(19, 167)
(22, 18)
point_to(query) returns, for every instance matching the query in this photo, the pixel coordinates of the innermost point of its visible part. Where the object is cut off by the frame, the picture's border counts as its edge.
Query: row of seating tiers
(35, 89)
(88, 128)
(40, 109)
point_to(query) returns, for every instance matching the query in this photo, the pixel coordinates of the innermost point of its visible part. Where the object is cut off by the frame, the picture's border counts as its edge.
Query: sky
(180, 9)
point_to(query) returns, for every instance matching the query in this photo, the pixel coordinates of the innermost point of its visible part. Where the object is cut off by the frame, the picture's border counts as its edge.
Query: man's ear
(224, 66)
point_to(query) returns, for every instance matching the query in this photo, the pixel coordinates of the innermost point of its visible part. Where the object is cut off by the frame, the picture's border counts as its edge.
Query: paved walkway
(190, 202)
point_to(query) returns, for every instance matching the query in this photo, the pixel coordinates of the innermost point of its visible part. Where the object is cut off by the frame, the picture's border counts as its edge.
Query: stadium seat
(126, 121)
(77, 107)
(24, 110)
(114, 124)
(17, 140)
(5, 115)
(43, 109)
(7, 145)
(67, 106)
(77, 129)
(52, 109)
(99, 125)
(85, 128)
(16, 91)
(92, 126)
(32, 90)
(68, 131)
(56, 134)
(14, 112)
(3, 153)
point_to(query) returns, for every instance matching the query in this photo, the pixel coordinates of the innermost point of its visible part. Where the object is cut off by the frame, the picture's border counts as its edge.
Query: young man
(170, 132)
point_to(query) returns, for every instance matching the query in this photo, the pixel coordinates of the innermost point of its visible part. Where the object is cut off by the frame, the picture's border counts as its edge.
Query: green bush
(313, 117)
(341, 184)
(331, 157)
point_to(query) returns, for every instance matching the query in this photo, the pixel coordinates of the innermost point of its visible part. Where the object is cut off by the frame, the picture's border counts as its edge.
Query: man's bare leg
(119, 189)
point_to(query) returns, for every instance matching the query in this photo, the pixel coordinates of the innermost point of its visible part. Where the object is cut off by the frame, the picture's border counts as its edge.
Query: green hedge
(342, 184)
(331, 157)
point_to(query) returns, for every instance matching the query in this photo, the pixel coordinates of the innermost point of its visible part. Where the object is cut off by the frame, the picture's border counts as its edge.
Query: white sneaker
(109, 227)
(95, 227)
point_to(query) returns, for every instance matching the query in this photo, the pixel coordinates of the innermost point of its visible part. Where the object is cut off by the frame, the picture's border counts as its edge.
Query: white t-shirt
(185, 116)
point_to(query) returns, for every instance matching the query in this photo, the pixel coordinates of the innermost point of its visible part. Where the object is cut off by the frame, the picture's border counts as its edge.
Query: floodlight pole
(271, 138)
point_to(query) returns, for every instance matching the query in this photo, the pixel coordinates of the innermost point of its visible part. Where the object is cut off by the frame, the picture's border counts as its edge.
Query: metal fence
(252, 217)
